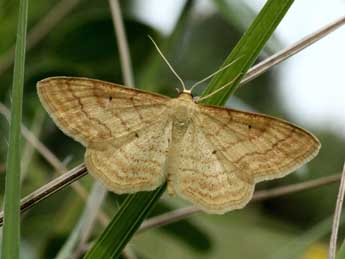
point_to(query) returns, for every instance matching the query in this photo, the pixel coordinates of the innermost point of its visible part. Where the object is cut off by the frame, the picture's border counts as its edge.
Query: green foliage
(247, 50)
(127, 220)
(11, 229)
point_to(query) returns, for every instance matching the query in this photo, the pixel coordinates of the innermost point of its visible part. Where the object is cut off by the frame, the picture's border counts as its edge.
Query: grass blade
(240, 14)
(127, 220)
(50, 188)
(337, 214)
(247, 50)
(11, 229)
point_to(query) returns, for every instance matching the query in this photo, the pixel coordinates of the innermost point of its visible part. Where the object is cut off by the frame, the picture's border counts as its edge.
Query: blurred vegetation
(83, 44)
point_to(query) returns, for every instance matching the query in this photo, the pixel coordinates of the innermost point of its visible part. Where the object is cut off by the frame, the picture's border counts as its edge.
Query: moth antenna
(167, 62)
(214, 73)
(219, 89)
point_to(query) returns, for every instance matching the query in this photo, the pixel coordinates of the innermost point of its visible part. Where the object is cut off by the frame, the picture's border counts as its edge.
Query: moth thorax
(183, 111)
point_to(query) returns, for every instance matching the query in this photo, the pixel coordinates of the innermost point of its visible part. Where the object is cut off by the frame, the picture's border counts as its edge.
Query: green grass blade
(247, 50)
(135, 208)
(11, 229)
(240, 14)
(127, 220)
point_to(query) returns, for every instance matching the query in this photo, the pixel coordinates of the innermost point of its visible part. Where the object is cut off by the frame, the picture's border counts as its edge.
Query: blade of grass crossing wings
(124, 229)
(247, 50)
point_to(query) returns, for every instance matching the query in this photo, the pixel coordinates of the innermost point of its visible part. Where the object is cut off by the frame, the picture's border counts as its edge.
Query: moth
(136, 140)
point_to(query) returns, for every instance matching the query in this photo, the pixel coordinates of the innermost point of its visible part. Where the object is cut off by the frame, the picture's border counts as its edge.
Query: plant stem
(121, 38)
(337, 214)
(179, 214)
(11, 229)
(284, 54)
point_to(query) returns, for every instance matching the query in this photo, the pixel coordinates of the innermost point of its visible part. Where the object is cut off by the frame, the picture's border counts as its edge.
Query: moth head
(185, 94)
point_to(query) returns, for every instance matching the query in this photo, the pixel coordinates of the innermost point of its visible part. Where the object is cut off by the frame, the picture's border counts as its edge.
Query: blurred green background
(83, 44)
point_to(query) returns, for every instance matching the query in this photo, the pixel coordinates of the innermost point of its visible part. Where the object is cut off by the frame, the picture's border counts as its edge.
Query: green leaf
(11, 229)
(247, 50)
(136, 207)
(239, 14)
(127, 220)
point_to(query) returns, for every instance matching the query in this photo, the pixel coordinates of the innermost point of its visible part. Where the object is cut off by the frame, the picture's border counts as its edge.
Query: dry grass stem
(52, 159)
(293, 188)
(280, 56)
(176, 215)
(50, 188)
(35, 142)
(29, 150)
(339, 204)
(44, 151)
(121, 38)
(170, 217)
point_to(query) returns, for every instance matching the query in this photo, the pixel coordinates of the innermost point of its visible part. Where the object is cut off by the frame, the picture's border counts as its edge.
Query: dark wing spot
(136, 135)
(214, 151)
(249, 126)
(110, 98)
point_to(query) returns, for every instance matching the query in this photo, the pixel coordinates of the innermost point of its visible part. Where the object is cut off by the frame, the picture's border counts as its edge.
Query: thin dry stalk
(170, 217)
(128, 77)
(293, 188)
(176, 215)
(335, 228)
(280, 56)
(44, 151)
(29, 150)
(121, 38)
(53, 160)
(50, 188)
